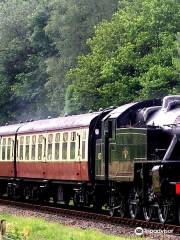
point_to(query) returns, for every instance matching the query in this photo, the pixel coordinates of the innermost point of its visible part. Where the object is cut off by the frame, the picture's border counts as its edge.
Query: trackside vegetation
(21, 228)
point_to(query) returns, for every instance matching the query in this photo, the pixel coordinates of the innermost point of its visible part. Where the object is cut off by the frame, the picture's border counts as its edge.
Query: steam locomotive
(126, 159)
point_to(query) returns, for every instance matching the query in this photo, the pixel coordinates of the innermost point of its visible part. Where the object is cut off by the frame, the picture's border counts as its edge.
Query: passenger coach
(47, 157)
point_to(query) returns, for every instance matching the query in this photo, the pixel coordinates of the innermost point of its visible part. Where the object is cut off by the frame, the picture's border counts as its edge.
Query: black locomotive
(138, 156)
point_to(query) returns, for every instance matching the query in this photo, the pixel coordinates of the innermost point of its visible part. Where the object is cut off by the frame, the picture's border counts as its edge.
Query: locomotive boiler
(126, 159)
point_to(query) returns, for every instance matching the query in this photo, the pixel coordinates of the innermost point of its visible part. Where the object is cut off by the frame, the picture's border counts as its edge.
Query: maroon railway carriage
(55, 152)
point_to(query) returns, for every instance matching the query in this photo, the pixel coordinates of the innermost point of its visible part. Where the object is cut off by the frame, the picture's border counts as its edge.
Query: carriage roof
(60, 123)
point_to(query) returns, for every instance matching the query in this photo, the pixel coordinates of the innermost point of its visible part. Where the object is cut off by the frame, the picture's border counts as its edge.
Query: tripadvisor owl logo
(139, 231)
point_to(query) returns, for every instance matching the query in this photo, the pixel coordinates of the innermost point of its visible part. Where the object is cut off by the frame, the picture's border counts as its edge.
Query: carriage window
(27, 148)
(21, 148)
(9, 149)
(84, 144)
(50, 141)
(40, 141)
(73, 145)
(64, 145)
(33, 148)
(57, 146)
(4, 149)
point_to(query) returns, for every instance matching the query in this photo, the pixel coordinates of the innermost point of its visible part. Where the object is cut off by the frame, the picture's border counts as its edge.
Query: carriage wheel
(78, 199)
(67, 200)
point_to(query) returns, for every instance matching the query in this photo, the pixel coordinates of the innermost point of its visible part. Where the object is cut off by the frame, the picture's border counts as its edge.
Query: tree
(30, 82)
(176, 64)
(70, 25)
(40, 41)
(131, 57)
(14, 48)
(24, 49)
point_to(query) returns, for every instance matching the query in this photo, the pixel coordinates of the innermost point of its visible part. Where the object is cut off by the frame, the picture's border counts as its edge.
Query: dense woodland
(69, 56)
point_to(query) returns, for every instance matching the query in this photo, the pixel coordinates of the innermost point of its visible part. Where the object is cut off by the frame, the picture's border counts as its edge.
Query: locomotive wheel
(133, 210)
(111, 212)
(97, 206)
(118, 206)
(163, 213)
(122, 210)
(134, 204)
(147, 212)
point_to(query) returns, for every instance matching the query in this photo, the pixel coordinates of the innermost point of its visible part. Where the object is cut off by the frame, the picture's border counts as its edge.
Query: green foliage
(176, 64)
(14, 47)
(40, 41)
(15, 234)
(69, 56)
(31, 228)
(132, 56)
(29, 87)
(25, 48)
(70, 25)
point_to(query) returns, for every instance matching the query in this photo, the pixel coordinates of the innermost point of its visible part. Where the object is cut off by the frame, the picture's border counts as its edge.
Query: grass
(23, 228)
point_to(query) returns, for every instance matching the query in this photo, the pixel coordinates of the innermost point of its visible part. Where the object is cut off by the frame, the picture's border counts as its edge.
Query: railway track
(93, 216)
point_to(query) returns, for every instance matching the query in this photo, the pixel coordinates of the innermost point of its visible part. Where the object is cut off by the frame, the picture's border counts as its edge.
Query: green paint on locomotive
(126, 146)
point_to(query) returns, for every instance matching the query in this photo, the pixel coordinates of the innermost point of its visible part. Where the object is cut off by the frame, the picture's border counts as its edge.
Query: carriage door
(48, 153)
(82, 154)
(42, 155)
(6, 156)
(75, 145)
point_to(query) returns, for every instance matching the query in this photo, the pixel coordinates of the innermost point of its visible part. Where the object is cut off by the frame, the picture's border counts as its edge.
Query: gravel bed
(112, 229)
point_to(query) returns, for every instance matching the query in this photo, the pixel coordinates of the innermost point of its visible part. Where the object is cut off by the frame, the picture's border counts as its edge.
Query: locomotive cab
(123, 141)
